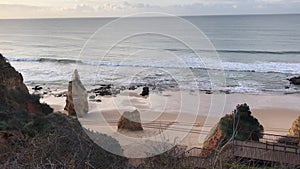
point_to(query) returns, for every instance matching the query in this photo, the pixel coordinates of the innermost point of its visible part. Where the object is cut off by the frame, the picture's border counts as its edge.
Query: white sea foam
(193, 63)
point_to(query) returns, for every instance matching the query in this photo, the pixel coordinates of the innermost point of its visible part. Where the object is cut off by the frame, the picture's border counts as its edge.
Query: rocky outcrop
(213, 141)
(293, 137)
(29, 136)
(104, 90)
(76, 102)
(247, 128)
(14, 93)
(145, 91)
(130, 121)
(10, 78)
(107, 90)
(295, 130)
(295, 80)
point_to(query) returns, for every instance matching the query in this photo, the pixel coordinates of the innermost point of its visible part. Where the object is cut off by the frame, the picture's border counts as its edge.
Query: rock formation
(30, 133)
(130, 121)
(76, 102)
(247, 128)
(295, 80)
(295, 129)
(104, 90)
(14, 93)
(145, 91)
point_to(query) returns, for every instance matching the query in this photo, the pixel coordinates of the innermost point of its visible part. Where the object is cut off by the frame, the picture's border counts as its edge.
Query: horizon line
(103, 17)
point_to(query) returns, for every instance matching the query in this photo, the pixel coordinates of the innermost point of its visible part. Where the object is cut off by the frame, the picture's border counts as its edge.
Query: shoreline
(275, 112)
(288, 89)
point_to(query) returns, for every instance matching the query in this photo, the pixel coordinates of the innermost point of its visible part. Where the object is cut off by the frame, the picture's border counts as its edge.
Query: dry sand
(182, 117)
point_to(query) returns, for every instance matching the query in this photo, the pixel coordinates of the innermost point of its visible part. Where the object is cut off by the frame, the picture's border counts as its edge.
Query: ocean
(257, 52)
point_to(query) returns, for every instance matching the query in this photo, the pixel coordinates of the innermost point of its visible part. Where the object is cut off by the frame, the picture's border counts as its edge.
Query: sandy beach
(181, 117)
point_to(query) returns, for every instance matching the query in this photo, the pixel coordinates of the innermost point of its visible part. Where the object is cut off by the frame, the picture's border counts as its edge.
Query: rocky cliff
(33, 137)
(295, 130)
(14, 93)
(241, 124)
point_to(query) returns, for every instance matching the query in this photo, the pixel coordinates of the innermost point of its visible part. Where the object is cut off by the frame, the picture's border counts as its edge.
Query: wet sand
(182, 117)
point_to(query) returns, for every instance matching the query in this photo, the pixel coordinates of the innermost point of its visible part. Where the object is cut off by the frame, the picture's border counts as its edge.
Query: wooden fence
(268, 150)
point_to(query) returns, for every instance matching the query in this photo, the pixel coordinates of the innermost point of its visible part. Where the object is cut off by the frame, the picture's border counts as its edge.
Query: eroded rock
(130, 121)
(295, 129)
(76, 102)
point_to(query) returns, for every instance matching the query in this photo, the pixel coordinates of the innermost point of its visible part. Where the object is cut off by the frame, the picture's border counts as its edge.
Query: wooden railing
(268, 150)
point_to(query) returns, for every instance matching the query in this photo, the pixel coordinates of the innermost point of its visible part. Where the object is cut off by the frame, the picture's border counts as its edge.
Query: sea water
(257, 52)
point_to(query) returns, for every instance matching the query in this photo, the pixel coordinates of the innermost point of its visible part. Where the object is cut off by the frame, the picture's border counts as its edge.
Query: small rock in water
(295, 80)
(104, 90)
(287, 87)
(37, 88)
(145, 91)
(132, 88)
(208, 92)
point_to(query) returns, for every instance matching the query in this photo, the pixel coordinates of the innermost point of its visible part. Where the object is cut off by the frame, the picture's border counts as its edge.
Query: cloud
(16, 11)
(99, 8)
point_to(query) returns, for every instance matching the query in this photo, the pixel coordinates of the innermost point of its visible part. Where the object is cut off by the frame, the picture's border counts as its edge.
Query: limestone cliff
(246, 127)
(295, 129)
(30, 137)
(14, 93)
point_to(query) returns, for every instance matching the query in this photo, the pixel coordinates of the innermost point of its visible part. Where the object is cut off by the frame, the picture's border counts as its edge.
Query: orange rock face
(212, 142)
(14, 93)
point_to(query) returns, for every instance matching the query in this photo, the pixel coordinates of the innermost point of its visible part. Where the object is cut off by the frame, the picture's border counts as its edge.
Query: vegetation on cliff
(240, 125)
(32, 136)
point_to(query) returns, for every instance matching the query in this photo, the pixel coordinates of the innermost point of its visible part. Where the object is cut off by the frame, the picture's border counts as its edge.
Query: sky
(116, 8)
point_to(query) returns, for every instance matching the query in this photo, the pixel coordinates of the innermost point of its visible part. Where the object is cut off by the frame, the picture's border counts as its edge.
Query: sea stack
(76, 102)
(130, 121)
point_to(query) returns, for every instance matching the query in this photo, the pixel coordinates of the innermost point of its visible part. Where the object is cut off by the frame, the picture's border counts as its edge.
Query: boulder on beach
(76, 102)
(295, 80)
(130, 121)
(145, 91)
